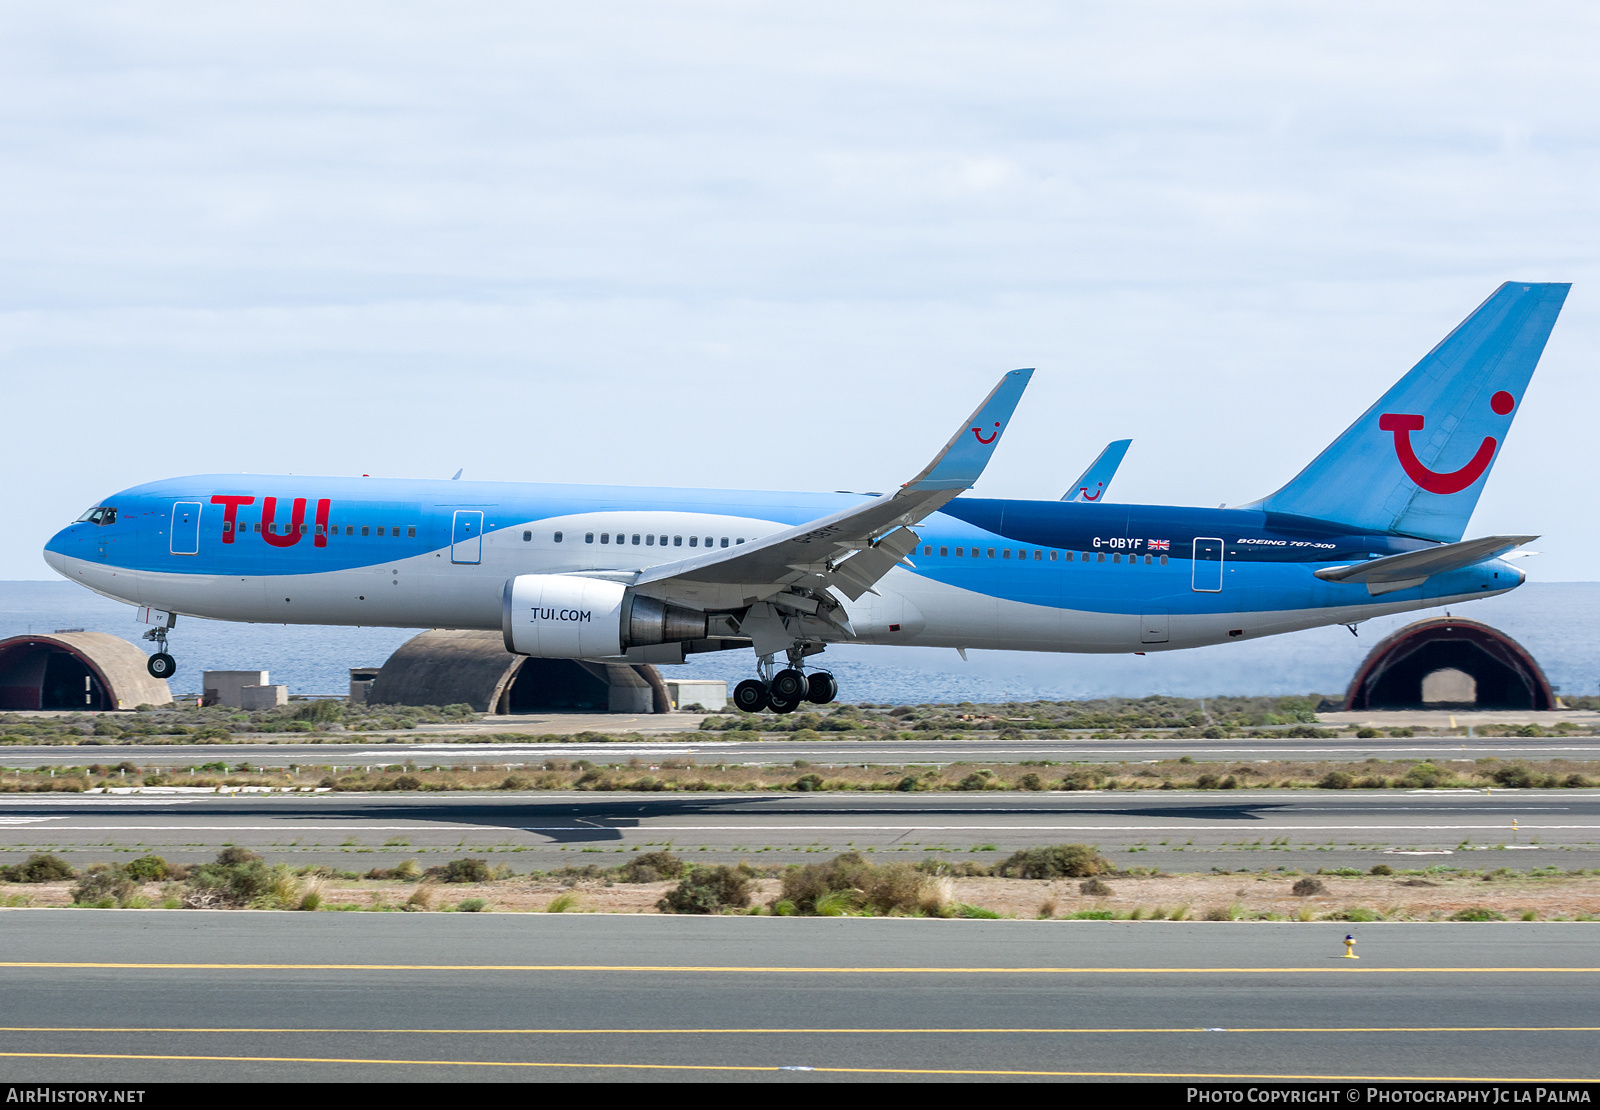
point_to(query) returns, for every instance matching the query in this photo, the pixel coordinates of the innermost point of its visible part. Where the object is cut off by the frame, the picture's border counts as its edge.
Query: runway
(687, 746)
(186, 995)
(1172, 830)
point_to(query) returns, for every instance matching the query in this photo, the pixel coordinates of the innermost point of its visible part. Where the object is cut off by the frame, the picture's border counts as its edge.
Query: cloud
(721, 237)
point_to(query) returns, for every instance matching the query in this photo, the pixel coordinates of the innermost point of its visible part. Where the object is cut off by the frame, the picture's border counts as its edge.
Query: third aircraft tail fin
(1093, 483)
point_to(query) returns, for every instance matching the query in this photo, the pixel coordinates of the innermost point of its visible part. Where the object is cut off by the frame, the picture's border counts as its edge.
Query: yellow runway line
(758, 970)
(778, 1068)
(854, 1031)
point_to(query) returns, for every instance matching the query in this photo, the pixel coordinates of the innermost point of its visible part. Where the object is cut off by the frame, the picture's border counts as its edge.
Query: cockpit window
(100, 514)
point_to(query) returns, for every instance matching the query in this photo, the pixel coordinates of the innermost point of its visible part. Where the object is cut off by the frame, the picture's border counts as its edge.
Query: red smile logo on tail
(1403, 424)
(979, 434)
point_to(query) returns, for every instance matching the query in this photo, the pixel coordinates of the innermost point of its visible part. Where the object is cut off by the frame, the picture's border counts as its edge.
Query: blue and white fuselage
(1022, 575)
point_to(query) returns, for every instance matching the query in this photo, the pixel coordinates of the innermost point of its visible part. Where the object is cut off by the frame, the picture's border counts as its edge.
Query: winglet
(964, 457)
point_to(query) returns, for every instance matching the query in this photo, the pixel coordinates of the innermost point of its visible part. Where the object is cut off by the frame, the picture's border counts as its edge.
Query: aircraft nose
(55, 552)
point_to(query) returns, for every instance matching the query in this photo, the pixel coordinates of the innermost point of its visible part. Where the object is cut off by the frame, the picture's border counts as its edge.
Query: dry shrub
(38, 868)
(1094, 887)
(104, 886)
(1060, 861)
(1306, 887)
(651, 867)
(465, 870)
(938, 896)
(710, 890)
(895, 888)
(805, 885)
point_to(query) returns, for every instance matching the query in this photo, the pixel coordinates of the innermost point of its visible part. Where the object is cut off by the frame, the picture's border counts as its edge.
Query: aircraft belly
(956, 617)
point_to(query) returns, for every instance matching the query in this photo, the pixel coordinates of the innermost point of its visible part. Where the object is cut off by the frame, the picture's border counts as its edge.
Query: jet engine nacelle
(565, 616)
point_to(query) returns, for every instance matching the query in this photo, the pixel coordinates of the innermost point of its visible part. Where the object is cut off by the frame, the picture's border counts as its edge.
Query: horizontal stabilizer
(1416, 566)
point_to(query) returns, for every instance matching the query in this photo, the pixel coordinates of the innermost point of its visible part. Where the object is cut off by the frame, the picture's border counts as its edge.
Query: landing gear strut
(784, 691)
(161, 664)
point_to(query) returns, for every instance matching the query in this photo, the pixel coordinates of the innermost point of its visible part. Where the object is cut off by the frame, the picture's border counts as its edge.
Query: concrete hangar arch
(76, 670)
(447, 667)
(1449, 661)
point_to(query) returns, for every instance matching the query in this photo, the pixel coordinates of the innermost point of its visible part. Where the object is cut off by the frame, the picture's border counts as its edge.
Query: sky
(760, 245)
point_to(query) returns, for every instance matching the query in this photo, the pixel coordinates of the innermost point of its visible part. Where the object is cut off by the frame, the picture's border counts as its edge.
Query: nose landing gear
(161, 664)
(784, 691)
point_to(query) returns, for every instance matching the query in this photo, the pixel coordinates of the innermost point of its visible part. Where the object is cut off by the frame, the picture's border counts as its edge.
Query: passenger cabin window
(365, 527)
(649, 541)
(636, 539)
(605, 537)
(588, 537)
(694, 541)
(959, 550)
(527, 536)
(677, 541)
(1005, 553)
(558, 537)
(944, 552)
(739, 540)
(724, 541)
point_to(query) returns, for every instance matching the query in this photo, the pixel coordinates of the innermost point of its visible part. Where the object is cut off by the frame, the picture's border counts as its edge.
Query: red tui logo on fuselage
(231, 503)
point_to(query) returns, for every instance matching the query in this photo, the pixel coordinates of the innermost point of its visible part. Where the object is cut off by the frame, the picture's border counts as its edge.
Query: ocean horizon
(1551, 619)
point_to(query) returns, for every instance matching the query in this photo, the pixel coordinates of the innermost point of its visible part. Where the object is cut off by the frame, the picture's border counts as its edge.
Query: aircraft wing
(847, 551)
(1396, 572)
(1093, 483)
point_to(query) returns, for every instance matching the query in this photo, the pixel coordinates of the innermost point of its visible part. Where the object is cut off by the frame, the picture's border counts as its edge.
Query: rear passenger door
(1207, 577)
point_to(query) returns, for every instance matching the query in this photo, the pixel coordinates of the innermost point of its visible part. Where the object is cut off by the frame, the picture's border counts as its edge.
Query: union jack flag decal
(1160, 545)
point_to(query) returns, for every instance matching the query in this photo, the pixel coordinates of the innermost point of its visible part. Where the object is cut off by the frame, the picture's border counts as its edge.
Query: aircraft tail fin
(1093, 483)
(1415, 462)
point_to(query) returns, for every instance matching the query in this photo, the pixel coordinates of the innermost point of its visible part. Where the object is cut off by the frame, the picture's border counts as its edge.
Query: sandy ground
(1237, 895)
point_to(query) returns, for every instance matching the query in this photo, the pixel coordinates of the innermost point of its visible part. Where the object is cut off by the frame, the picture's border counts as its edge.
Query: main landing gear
(161, 664)
(784, 691)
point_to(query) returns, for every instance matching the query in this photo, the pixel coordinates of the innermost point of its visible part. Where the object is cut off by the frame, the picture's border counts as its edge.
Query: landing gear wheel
(162, 665)
(782, 705)
(750, 696)
(790, 685)
(821, 687)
